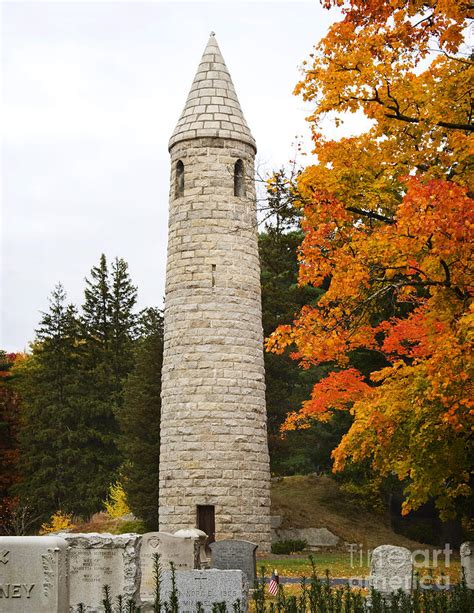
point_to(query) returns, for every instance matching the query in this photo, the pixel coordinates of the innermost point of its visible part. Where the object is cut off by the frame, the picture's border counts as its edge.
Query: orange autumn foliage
(389, 227)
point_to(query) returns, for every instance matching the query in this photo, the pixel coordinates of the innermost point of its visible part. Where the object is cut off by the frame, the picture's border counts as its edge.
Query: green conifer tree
(108, 328)
(139, 419)
(96, 308)
(123, 323)
(56, 462)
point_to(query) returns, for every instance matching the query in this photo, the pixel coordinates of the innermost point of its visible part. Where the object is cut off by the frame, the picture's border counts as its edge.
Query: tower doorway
(206, 521)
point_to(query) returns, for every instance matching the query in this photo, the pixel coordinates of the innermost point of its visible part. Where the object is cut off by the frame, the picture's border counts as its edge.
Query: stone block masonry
(214, 463)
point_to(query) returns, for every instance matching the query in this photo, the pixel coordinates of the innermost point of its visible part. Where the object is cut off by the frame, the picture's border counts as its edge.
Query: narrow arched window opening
(239, 185)
(179, 182)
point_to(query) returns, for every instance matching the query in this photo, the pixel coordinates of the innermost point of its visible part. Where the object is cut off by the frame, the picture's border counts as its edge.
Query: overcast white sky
(91, 94)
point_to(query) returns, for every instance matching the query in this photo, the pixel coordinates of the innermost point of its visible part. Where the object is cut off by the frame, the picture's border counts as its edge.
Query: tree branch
(446, 273)
(371, 215)
(466, 127)
(442, 124)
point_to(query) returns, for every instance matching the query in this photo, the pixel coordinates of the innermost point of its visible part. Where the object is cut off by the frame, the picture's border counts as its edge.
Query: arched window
(179, 181)
(239, 185)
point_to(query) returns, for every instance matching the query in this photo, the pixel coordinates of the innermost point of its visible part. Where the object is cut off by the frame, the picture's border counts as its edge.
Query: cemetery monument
(214, 462)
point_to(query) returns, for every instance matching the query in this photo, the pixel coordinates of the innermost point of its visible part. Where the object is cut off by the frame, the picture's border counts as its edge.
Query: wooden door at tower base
(206, 521)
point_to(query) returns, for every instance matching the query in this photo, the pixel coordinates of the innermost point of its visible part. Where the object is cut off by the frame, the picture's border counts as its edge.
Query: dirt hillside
(317, 502)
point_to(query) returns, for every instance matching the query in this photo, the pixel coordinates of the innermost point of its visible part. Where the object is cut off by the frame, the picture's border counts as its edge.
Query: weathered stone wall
(213, 426)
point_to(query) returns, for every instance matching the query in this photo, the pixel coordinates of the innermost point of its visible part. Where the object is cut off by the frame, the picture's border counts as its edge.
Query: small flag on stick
(273, 585)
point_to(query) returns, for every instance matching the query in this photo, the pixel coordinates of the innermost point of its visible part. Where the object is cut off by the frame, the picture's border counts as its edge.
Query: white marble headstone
(391, 569)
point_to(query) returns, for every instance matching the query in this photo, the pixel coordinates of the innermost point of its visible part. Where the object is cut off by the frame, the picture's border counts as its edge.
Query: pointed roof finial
(212, 34)
(212, 108)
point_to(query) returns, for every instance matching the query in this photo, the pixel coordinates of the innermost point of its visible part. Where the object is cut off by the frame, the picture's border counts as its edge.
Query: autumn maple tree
(388, 223)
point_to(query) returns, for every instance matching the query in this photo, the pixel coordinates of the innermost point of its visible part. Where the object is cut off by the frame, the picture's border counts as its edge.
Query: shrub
(59, 522)
(116, 504)
(289, 546)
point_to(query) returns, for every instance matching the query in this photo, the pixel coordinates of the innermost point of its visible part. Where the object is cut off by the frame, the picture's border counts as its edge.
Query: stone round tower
(214, 463)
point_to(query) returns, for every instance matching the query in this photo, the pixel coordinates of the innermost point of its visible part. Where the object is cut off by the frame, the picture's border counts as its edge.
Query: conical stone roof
(212, 108)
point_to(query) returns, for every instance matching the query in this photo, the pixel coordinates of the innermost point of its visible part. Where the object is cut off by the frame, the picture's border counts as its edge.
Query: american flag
(273, 585)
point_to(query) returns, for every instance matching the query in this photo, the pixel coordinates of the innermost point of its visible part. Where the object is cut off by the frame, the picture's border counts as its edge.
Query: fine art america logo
(429, 567)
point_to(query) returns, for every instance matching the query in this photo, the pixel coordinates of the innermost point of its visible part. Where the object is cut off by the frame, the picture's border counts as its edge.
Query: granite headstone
(315, 538)
(183, 551)
(207, 587)
(235, 554)
(202, 538)
(95, 560)
(33, 574)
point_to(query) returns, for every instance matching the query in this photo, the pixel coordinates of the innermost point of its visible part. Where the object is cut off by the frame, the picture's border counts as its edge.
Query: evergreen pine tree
(123, 323)
(55, 465)
(108, 331)
(286, 384)
(96, 309)
(109, 325)
(140, 421)
(96, 368)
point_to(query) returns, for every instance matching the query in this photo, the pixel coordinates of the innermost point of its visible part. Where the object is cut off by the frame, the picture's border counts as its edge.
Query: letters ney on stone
(33, 574)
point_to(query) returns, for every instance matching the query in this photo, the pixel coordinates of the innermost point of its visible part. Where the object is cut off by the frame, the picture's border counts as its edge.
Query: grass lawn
(340, 564)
